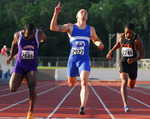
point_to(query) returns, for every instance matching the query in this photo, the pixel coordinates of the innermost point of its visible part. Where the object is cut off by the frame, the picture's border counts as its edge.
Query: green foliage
(106, 16)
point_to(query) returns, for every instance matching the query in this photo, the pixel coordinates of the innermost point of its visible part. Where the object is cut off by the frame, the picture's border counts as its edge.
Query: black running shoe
(81, 111)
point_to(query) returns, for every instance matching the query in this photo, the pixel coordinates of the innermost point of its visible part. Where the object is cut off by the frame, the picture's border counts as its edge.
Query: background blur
(107, 16)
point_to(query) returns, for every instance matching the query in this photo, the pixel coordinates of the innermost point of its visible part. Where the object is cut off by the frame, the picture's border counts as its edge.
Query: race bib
(27, 54)
(127, 52)
(77, 50)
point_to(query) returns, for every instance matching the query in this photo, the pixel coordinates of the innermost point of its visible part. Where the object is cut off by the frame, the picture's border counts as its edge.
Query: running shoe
(25, 80)
(81, 111)
(30, 115)
(127, 109)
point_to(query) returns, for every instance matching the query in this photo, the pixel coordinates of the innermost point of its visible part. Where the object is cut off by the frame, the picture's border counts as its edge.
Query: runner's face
(82, 14)
(129, 33)
(29, 35)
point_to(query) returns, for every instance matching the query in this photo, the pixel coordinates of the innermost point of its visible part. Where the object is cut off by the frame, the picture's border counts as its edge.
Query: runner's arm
(42, 36)
(116, 46)
(140, 48)
(14, 48)
(96, 40)
(54, 26)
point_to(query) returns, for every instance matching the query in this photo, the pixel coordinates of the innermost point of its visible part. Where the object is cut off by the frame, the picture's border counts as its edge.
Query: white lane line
(23, 90)
(20, 87)
(28, 98)
(136, 90)
(128, 95)
(61, 101)
(102, 102)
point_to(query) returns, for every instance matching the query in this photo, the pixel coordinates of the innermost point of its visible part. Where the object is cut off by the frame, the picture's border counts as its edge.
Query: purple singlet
(27, 54)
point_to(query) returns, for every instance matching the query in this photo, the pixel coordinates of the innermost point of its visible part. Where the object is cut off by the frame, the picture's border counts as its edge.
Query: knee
(84, 84)
(131, 86)
(32, 86)
(12, 89)
(71, 85)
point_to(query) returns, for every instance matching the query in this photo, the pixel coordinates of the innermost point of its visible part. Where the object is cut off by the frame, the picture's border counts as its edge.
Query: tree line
(107, 16)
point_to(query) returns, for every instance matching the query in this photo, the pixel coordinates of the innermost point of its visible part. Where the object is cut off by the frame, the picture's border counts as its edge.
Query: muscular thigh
(15, 80)
(133, 71)
(72, 70)
(123, 67)
(31, 78)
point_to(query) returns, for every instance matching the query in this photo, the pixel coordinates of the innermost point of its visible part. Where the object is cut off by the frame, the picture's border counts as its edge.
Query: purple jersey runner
(27, 54)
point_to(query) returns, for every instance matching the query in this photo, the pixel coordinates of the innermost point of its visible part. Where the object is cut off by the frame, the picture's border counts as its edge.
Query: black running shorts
(131, 69)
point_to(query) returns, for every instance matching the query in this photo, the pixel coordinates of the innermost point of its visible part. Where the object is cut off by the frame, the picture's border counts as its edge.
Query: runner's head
(29, 31)
(82, 14)
(129, 30)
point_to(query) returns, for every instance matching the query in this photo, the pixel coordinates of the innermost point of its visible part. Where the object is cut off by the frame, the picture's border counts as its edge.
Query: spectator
(3, 50)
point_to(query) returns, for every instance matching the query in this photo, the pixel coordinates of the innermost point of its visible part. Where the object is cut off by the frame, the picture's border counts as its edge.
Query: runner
(79, 61)
(130, 44)
(27, 41)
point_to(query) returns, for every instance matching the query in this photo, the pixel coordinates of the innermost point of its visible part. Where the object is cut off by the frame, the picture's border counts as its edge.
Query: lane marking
(20, 87)
(128, 95)
(28, 98)
(136, 90)
(61, 101)
(102, 102)
(24, 90)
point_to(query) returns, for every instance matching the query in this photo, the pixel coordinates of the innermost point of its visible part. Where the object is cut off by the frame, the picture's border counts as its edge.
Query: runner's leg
(72, 81)
(32, 80)
(15, 81)
(131, 83)
(84, 88)
(124, 81)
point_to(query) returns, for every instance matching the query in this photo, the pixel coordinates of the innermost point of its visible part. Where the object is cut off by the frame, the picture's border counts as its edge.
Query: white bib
(77, 50)
(127, 52)
(27, 54)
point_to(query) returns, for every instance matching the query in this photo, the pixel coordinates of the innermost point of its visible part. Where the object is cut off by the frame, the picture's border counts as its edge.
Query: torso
(128, 48)
(79, 40)
(27, 49)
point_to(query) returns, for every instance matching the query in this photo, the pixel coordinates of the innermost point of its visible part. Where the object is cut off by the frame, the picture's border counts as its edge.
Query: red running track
(56, 101)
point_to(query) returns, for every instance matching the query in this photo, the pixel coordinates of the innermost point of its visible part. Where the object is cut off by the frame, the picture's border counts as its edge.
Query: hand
(101, 46)
(108, 56)
(58, 8)
(8, 60)
(130, 60)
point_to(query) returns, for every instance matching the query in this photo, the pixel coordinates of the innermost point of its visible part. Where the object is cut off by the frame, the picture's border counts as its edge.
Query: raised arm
(14, 48)
(54, 26)
(96, 39)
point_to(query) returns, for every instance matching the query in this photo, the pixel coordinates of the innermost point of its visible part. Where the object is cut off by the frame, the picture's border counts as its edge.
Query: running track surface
(56, 100)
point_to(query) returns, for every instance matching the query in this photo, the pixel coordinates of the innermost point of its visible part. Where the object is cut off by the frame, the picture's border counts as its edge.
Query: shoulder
(92, 30)
(70, 26)
(138, 39)
(39, 31)
(120, 36)
(16, 35)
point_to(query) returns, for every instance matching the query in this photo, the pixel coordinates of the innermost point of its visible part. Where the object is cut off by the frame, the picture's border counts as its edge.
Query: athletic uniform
(27, 54)
(79, 59)
(128, 51)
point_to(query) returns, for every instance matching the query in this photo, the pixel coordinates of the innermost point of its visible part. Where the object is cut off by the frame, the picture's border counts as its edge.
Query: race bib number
(27, 54)
(77, 50)
(127, 52)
